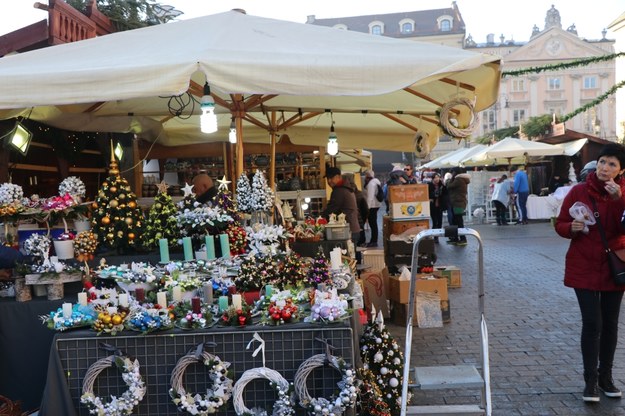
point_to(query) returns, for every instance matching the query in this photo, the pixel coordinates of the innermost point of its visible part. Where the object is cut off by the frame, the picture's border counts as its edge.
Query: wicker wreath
(446, 118)
(216, 396)
(322, 406)
(118, 406)
(284, 406)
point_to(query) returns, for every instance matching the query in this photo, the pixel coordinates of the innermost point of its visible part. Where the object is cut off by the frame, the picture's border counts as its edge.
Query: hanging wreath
(449, 123)
(336, 405)
(284, 405)
(118, 406)
(216, 395)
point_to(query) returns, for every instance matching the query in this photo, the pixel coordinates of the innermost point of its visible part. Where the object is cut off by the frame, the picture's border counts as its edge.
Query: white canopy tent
(504, 151)
(271, 76)
(453, 158)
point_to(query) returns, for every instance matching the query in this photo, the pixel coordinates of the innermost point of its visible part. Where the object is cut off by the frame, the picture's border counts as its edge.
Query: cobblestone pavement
(533, 322)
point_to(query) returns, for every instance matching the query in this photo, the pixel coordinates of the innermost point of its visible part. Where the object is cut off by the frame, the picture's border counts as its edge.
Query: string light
(232, 136)
(333, 146)
(208, 119)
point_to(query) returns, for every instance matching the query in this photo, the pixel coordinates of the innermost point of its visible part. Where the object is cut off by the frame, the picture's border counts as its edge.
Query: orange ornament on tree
(131, 236)
(106, 220)
(132, 205)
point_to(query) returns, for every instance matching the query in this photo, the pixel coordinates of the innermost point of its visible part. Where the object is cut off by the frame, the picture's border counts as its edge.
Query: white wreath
(447, 121)
(282, 407)
(118, 406)
(322, 406)
(216, 396)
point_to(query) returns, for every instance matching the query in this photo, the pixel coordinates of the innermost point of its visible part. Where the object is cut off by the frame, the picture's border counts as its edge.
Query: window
(554, 83)
(340, 26)
(518, 116)
(590, 82)
(518, 85)
(406, 27)
(489, 121)
(376, 28)
(445, 25)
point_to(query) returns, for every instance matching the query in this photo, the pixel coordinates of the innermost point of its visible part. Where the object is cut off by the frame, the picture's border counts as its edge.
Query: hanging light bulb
(232, 136)
(208, 119)
(333, 145)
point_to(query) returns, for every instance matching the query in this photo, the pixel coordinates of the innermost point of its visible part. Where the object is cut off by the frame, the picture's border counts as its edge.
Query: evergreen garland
(161, 222)
(244, 193)
(594, 102)
(565, 65)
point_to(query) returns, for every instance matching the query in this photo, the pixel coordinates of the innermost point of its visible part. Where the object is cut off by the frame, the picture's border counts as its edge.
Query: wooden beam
(428, 99)
(27, 38)
(159, 151)
(458, 84)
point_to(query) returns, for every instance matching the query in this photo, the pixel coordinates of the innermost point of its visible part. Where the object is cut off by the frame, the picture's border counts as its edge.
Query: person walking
(363, 208)
(371, 190)
(458, 199)
(438, 201)
(342, 200)
(522, 192)
(501, 199)
(586, 267)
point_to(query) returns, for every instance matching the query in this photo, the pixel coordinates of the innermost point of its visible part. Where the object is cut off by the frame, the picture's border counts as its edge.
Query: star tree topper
(188, 189)
(162, 187)
(223, 183)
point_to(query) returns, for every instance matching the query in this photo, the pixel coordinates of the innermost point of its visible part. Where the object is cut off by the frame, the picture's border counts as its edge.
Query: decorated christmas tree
(370, 400)
(161, 221)
(244, 193)
(223, 199)
(293, 273)
(318, 272)
(262, 197)
(117, 219)
(236, 238)
(381, 355)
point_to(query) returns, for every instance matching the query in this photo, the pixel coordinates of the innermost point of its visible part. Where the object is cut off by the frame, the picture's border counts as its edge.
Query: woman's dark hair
(502, 178)
(616, 150)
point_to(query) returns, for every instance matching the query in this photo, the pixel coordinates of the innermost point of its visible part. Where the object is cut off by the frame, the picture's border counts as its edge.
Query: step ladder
(455, 376)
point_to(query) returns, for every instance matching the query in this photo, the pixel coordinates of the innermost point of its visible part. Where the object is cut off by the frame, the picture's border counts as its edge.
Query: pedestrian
(501, 199)
(363, 208)
(371, 187)
(438, 201)
(586, 267)
(342, 200)
(204, 188)
(450, 211)
(521, 191)
(458, 188)
(409, 175)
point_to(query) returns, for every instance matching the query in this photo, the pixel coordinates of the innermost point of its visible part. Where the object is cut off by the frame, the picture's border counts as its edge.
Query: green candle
(268, 291)
(164, 247)
(223, 303)
(188, 249)
(210, 247)
(225, 245)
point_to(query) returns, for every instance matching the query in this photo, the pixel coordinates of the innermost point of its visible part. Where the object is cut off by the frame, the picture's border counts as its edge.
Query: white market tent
(504, 151)
(272, 76)
(453, 158)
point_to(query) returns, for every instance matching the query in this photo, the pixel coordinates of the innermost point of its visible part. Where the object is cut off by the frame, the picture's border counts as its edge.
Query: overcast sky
(513, 19)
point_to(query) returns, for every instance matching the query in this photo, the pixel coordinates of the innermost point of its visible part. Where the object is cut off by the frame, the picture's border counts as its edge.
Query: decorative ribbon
(199, 350)
(112, 349)
(261, 347)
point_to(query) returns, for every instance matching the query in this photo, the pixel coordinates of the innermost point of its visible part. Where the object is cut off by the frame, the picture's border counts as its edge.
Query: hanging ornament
(393, 382)
(106, 220)
(114, 203)
(132, 204)
(128, 220)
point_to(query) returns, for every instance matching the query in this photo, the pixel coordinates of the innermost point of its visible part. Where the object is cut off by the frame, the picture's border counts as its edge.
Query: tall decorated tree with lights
(381, 355)
(224, 199)
(117, 219)
(161, 221)
(262, 197)
(244, 193)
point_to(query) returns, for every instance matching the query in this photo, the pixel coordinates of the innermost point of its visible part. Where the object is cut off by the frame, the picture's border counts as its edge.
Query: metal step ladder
(455, 376)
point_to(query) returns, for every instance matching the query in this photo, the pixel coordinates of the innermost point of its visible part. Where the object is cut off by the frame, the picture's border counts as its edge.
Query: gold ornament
(105, 220)
(101, 194)
(129, 220)
(113, 189)
(131, 236)
(114, 203)
(122, 196)
(132, 204)
(94, 205)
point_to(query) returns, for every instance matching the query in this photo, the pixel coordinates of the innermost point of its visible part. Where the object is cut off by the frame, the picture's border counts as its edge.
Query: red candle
(195, 304)
(140, 294)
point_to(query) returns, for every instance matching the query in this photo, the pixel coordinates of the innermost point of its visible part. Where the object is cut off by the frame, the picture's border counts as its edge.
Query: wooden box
(408, 193)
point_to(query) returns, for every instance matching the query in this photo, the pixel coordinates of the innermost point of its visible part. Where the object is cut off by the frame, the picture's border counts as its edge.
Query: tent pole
(239, 153)
(272, 157)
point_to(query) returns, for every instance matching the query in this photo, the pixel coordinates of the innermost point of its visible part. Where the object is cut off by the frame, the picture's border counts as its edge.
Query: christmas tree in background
(318, 272)
(224, 200)
(261, 196)
(380, 353)
(370, 395)
(293, 272)
(117, 219)
(161, 221)
(244, 193)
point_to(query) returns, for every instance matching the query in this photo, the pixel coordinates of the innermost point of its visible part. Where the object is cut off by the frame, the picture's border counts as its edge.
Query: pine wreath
(216, 396)
(336, 405)
(118, 406)
(282, 407)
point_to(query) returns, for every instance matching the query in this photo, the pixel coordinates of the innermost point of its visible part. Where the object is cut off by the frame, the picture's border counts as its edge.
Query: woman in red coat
(587, 270)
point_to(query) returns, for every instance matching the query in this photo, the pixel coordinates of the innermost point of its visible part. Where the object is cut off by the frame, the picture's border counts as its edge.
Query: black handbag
(617, 266)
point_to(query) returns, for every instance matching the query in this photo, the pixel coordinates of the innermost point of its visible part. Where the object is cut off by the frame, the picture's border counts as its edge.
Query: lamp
(208, 119)
(19, 138)
(232, 136)
(333, 146)
(119, 151)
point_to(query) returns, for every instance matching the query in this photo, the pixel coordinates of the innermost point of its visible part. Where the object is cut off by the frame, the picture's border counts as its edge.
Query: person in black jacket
(363, 207)
(438, 201)
(204, 188)
(342, 200)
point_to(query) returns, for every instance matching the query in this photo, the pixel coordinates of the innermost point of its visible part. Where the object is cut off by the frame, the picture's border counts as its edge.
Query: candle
(210, 247)
(164, 247)
(268, 291)
(188, 249)
(223, 303)
(82, 299)
(201, 255)
(161, 299)
(123, 300)
(236, 301)
(67, 310)
(335, 259)
(195, 304)
(225, 245)
(208, 293)
(176, 294)
(140, 294)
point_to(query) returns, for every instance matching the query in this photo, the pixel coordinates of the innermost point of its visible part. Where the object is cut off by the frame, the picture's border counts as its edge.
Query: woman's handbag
(617, 265)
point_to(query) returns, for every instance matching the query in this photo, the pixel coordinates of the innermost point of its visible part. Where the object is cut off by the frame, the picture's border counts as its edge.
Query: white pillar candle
(335, 259)
(123, 300)
(176, 294)
(161, 299)
(236, 301)
(67, 310)
(82, 299)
